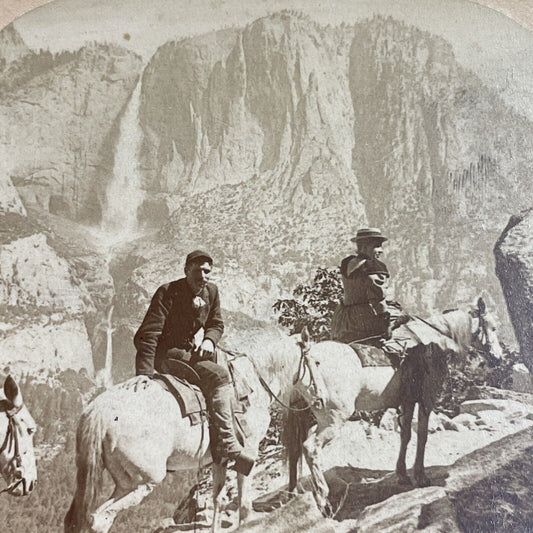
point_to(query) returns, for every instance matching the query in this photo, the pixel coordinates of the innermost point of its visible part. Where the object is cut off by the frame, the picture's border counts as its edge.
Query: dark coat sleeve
(149, 332)
(214, 326)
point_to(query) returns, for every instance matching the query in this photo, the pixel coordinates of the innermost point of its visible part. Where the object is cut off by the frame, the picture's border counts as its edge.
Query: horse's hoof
(405, 480)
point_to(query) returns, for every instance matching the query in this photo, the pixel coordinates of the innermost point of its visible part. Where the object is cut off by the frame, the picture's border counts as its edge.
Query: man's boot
(227, 445)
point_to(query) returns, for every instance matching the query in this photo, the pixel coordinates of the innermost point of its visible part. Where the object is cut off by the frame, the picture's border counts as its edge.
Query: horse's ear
(12, 391)
(482, 308)
(305, 334)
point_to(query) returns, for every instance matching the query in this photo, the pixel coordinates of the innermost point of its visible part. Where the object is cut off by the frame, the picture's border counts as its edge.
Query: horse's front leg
(423, 420)
(404, 419)
(312, 448)
(219, 480)
(104, 516)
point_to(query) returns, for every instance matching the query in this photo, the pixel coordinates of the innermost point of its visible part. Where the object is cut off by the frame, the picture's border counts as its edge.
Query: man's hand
(141, 383)
(207, 350)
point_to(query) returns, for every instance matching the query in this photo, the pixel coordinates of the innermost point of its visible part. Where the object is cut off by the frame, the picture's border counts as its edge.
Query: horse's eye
(317, 363)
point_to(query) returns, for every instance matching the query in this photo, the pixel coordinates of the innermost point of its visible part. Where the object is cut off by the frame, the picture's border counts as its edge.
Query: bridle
(304, 362)
(12, 442)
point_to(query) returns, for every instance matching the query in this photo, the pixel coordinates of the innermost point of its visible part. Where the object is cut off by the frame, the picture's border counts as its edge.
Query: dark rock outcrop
(514, 268)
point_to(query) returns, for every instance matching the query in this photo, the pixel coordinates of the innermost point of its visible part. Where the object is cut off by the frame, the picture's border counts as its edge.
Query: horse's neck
(254, 375)
(455, 324)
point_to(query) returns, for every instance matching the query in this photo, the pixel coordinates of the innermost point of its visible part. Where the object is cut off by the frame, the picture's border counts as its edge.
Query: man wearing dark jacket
(177, 312)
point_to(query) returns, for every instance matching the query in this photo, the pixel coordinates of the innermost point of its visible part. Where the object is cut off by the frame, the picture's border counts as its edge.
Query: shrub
(313, 305)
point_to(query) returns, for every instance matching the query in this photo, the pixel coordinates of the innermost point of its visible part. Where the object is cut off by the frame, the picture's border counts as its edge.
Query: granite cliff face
(514, 268)
(12, 46)
(58, 117)
(271, 144)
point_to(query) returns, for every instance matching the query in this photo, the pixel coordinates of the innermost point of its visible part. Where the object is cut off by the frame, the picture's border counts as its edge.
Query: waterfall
(104, 377)
(124, 194)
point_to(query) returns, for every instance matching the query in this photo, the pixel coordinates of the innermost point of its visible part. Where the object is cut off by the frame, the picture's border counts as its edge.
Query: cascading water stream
(124, 193)
(104, 377)
(124, 196)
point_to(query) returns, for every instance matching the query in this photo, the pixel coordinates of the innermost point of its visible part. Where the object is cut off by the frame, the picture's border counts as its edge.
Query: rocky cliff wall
(58, 117)
(278, 140)
(269, 145)
(12, 46)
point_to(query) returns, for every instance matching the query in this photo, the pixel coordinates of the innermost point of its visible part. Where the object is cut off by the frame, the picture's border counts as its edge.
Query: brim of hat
(358, 239)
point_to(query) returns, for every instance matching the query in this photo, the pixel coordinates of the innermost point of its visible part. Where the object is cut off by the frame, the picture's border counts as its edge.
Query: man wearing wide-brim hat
(364, 315)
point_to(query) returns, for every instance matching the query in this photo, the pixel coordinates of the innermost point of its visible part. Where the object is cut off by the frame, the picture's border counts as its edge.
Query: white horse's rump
(136, 432)
(336, 384)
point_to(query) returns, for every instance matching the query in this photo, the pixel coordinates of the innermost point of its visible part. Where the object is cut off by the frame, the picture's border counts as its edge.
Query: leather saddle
(183, 383)
(180, 379)
(182, 370)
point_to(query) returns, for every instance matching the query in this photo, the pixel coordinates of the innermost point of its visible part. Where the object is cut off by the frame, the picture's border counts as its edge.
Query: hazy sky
(498, 49)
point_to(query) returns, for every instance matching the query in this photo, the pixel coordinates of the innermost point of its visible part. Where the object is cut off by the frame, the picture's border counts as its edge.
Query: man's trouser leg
(218, 391)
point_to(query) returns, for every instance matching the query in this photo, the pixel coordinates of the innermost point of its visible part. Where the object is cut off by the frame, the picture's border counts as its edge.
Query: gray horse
(336, 383)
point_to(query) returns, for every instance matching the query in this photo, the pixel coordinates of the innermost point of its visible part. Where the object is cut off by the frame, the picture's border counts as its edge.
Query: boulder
(521, 379)
(464, 421)
(490, 418)
(511, 408)
(514, 267)
(389, 420)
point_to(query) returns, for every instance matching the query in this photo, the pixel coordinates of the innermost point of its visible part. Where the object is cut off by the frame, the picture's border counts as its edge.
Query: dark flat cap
(198, 254)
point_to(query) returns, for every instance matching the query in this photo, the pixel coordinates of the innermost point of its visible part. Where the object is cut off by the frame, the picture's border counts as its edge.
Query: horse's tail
(298, 421)
(90, 467)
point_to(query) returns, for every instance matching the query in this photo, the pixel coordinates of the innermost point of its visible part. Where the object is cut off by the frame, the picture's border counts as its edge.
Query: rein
(431, 326)
(11, 439)
(482, 327)
(262, 381)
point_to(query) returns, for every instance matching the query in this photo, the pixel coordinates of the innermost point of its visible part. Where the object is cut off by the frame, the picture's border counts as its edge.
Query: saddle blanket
(190, 398)
(193, 405)
(370, 355)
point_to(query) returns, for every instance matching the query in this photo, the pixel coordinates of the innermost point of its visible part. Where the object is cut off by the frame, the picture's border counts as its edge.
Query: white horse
(337, 383)
(136, 432)
(17, 427)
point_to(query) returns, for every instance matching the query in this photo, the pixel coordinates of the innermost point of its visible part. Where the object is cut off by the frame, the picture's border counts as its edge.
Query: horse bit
(304, 362)
(14, 465)
(481, 332)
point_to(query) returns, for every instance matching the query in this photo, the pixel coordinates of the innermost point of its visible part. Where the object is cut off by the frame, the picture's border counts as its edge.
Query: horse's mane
(456, 324)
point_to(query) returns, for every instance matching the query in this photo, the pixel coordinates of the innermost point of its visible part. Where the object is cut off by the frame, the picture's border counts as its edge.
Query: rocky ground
(479, 463)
